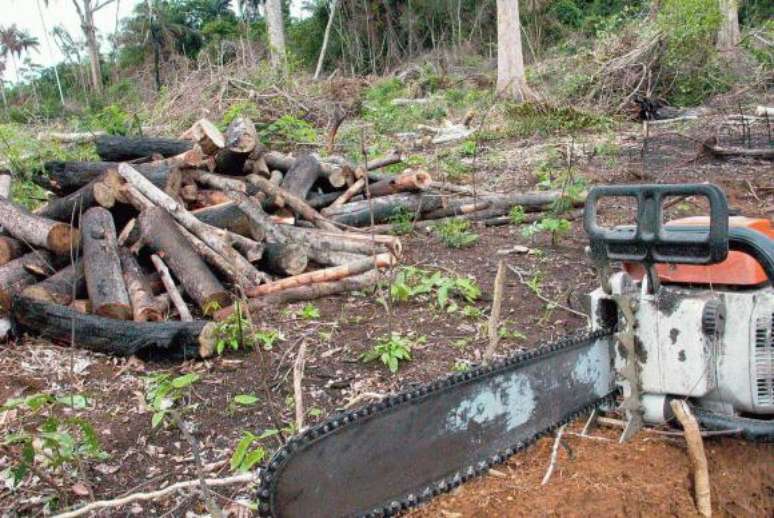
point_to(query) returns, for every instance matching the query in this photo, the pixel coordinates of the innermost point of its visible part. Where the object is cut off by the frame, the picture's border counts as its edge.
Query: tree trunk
(358, 214)
(104, 278)
(301, 176)
(67, 177)
(326, 37)
(275, 23)
(160, 232)
(10, 249)
(285, 259)
(728, 33)
(61, 288)
(18, 274)
(90, 31)
(175, 340)
(37, 231)
(511, 77)
(113, 148)
(144, 305)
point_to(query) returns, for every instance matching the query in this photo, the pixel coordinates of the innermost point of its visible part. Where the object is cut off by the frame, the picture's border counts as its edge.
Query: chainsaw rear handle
(650, 241)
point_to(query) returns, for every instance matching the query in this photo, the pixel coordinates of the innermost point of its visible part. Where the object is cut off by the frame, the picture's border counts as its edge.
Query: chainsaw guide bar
(397, 453)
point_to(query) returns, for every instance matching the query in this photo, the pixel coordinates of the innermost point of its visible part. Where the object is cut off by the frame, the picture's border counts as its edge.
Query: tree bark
(226, 216)
(408, 181)
(17, 274)
(10, 249)
(114, 148)
(144, 305)
(275, 23)
(294, 202)
(728, 33)
(61, 288)
(285, 259)
(258, 220)
(326, 37)
(301, 176)
(241, 137)
(169, 285)
(511, 77)
(343, 241)
(337, 175)
(215, 238)
(159, 231)
(334, 273)
(204, 133)
(104, 278)
(358, 214)
(175, 340)
(37, 231)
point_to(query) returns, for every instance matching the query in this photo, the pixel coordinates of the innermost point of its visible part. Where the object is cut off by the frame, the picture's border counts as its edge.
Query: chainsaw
(689, 315)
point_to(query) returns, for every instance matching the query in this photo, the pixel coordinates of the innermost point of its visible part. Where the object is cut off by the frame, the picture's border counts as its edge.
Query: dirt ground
(648, 477)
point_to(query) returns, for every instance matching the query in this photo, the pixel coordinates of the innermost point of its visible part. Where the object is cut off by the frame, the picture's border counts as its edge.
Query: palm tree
(15, 42)
(2, 83)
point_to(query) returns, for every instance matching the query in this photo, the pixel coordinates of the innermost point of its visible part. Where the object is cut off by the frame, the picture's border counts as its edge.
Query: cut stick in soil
(701, 482)
(113, 148)
(204, 133)
(60, 288)
(169, 285)
(285, 259)
(325, 275)
(102, 267)
(16, 275)
(59, 238)
(215, 238)
(10, 249)
(144, 305)
(121, 338)
(294, 202)
(160, 232)
(298, 392)
(408, 181)
(494, 317)
(301, 176)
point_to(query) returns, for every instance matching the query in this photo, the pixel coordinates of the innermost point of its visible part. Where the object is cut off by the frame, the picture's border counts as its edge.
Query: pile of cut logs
(143, 250)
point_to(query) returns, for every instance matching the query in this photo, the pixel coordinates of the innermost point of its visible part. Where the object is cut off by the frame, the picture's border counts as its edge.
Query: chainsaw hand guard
(650, 241)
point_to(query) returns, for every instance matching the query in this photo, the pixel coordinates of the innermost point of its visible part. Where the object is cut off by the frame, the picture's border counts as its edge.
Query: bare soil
(650, 476)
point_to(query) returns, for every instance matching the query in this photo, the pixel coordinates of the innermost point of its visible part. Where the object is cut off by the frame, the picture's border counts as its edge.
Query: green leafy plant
(461, 366)
(401, 221)
(517, 215)
(245, 455)
(390, 350)
(472, 312)
(412, 282)
(309, 312)
(455, 233)
(467, 148)
(557, 227)
(56, 444)
(288, 130)
(163, 392)
(505, 332)
(237, 331)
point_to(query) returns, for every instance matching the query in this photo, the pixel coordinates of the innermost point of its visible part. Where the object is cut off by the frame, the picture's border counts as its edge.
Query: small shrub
(163, 392)
(288, 130)
(245, 455)
(309, 312)
(411, 283)
(455, 233)
(390, 350)
(526, 119)
(240, 109)
(401, 221)
(517, 215)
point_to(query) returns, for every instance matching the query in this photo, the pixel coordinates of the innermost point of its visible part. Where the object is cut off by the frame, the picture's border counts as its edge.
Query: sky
(24, 13)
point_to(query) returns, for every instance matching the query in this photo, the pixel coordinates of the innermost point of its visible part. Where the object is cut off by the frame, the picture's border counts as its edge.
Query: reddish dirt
(650, 476)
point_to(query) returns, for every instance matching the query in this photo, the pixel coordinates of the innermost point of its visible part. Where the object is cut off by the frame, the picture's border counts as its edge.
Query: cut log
(722, 152)
(37, 231)
(160, 233)
(112, 148)
(241, 142)
(15, 275)
(320, 201)
(325, 275)
(208, 198)
(301, 176)
(190, 193)
(169, 285)
(358, 214)
(294, 202)
(144, 304)
(285, 259)
(226, 216)
(347, 195)
(217, 181)
(176, 340)
(337, 176)
(204, 133)
(65, 177)
(104, 278)
(81, 306)
(61, 288)
(409, 180)
(10, 249)
(259, 221)
(500, 202)
(343, 241)
(215, 238)
(393, 158)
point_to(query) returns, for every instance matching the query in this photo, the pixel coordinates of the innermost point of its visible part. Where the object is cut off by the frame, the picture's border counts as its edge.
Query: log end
(62, 239)
(115, 311)
(208, 338)
(10, 249)
(422, 180)
(39, 293)
(295, 264)
(148, 315)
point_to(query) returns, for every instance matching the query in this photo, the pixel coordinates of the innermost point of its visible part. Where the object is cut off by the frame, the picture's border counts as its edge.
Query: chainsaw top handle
(650, 241)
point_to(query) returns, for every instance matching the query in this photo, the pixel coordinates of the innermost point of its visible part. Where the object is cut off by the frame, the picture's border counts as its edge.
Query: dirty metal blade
(394, 454)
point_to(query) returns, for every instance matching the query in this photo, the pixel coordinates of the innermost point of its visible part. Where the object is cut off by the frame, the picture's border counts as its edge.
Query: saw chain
(351, 419)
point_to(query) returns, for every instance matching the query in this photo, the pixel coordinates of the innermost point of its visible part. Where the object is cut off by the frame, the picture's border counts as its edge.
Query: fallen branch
(546, 299)
(701, 481)
(242, 478)
(169, 285)
(292, 201)
(554, 455)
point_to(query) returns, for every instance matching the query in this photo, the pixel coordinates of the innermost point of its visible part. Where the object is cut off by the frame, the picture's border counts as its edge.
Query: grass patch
(527, 119)
(455, 233)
